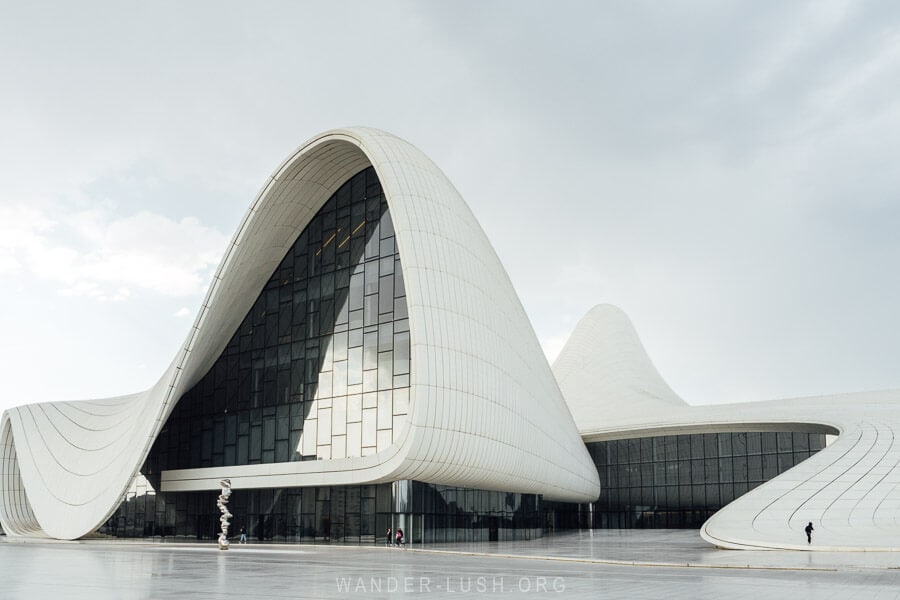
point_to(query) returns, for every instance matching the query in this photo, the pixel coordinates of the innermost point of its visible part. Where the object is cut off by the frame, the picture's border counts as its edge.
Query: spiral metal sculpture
(222, 503)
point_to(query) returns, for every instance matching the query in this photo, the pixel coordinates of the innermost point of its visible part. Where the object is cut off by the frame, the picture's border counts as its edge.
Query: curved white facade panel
(605, 373)
(484, 409)
(850, 490)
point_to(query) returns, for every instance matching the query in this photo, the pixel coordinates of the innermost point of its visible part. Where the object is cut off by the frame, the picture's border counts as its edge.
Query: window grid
(319, 367)
(681, 480)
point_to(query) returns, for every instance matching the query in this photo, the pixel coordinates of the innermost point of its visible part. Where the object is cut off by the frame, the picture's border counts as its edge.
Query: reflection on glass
(321, 329)
(680, 481)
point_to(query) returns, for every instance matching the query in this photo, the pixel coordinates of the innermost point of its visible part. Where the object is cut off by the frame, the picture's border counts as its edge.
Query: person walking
(399, 538)
(809, 530)
(243, 535)
(387, 539)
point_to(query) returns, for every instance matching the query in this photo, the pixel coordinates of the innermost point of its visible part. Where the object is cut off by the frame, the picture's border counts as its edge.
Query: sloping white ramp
(849, 491)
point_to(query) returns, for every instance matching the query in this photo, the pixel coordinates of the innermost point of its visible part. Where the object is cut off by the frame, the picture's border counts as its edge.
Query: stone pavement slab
(572, 565)
(672, 547)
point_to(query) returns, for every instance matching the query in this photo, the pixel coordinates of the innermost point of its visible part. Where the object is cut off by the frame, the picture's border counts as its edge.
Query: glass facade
(450, 514)
(355, 514)
(679, 481)
(319, 367)
(342, 513)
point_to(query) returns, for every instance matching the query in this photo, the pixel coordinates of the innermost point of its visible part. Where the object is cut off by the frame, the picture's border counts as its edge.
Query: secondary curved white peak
(850, 490)
(485, 411)
(605, 373)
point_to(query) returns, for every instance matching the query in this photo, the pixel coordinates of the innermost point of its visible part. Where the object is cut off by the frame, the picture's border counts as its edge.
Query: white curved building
(361, 361)
(473, 402)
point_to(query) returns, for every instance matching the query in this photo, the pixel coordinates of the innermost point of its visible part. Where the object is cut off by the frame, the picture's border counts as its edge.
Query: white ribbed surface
(484, 408)
(850, 490)
(604, 372)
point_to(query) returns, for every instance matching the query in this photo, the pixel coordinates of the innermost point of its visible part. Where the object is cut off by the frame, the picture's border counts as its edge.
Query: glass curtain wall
(679, 481)
(356, 514)
(319, 368)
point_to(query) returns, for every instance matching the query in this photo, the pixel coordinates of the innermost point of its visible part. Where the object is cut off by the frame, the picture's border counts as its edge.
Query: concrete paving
(674, 547)
(605, 564)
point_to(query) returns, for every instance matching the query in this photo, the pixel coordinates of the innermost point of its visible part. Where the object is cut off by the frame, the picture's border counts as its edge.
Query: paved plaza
(599, 564)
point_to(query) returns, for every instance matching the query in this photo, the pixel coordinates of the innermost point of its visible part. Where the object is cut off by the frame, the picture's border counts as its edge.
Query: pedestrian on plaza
(399, 537)
(387, 539)
(809, 530)
(243, 535)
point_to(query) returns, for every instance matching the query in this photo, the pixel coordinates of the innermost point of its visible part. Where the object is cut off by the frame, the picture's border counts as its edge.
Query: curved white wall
(485, 410)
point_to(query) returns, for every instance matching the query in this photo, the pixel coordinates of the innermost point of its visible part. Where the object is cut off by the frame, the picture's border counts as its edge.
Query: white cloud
(92, 290)
(183, 312)
(96, 254)
(728, 179)
(22, 231)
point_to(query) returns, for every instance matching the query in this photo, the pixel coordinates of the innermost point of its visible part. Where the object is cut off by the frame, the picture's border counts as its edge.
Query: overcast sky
(724, 172)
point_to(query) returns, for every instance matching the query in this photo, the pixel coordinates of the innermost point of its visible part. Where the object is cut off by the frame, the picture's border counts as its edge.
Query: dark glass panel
(646, 449)
(801, 442)
(784, 441)
(726, 470)
(646, 490)
(670, 447)
(725, 445)
(684, 447)
(684, 472)
(754, 468)
(298, 339)
(770, 466)
(754, 443)
(785, 461)
(739, 464)
(711, 470)
(659, 449)
(697, 446)
(634, 451)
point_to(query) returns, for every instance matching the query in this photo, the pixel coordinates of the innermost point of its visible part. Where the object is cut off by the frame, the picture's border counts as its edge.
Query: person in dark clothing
(809, 530)
(399, 537)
